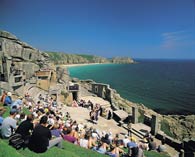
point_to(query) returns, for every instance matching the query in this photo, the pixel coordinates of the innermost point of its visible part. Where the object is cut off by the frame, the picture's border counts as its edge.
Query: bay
(166, 86)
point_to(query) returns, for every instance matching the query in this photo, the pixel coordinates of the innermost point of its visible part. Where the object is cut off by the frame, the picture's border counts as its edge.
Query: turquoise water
(167, 86)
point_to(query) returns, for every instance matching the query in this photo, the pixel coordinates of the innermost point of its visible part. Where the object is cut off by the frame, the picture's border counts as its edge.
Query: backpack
(16, 141)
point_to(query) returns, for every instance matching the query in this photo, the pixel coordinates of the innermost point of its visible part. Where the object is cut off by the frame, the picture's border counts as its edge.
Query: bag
(16, 141)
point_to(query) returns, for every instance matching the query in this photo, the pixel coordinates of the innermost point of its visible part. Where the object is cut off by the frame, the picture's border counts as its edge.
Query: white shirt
(125, 141)
(84, 143)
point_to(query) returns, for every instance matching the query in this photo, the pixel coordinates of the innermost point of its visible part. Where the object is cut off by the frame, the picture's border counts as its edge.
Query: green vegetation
(88, 57)
(6, 114)
(64, 58)
(166, 128)
(155, 154)
(69, 150)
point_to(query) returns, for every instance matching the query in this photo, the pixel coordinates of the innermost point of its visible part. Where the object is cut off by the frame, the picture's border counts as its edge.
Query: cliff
(64, 58)
(122, 60)
(21, 55)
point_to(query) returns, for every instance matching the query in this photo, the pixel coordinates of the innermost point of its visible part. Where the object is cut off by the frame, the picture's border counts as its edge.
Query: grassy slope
(155, 154)
(69, 150)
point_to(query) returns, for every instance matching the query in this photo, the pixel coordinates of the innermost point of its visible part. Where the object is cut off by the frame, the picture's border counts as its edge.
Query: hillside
(64, 58)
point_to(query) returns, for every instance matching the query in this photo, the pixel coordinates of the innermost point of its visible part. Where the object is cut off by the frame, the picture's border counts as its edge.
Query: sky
(108, 28)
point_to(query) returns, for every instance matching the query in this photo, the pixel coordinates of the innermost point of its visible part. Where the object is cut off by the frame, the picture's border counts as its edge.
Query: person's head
(13, 112)
(22, 115)
(43, 120)
(9, 94)
(69, 130)
(106, 136)
(30, 117)
(87, 136)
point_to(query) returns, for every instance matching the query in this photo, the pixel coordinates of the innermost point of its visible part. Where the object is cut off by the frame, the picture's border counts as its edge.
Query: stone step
(135, 132)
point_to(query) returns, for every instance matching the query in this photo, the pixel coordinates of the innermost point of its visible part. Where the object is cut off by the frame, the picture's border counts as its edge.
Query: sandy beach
(84, 64)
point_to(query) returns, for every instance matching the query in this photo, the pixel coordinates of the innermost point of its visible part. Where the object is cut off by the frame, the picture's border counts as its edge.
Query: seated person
(102, 148)
(69, 137)
(3, 97)
(9, 124)
(55, 131)
(25, 128)
(125, 141)
(8, 99)
(152, 144)
(40, 140)
(17, 104)
(115, 151)
(162, 147)
(84, 141)
(1, 120)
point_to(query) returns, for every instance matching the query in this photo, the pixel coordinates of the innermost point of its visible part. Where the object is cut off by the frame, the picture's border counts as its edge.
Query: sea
(166, 86)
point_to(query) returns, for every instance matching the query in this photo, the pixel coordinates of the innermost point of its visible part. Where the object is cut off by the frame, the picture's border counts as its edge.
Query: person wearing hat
(9, 124)
(8, 99)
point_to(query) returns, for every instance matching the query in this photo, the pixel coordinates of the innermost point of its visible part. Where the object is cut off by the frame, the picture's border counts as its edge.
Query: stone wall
(18, 58)
(102, 90)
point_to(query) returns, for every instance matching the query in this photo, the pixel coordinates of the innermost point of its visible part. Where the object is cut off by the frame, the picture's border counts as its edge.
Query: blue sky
(134, 28)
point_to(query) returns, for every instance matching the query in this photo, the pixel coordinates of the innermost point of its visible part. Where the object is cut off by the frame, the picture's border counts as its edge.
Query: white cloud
(175, 40)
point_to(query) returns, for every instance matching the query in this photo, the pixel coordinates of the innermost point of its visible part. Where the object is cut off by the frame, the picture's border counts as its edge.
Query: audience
(46, 127)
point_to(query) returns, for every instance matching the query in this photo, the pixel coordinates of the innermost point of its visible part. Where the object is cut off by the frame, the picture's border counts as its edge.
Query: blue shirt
(8, 100)
(16, 103)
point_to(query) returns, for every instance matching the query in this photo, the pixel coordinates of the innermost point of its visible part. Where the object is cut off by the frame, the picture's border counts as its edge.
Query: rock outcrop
(64, 58)
(62, 75)
(19, 63)
(22, 55)
(122, 60)
(181, 126)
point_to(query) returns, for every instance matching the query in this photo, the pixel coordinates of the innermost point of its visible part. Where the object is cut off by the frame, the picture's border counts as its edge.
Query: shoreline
(80, 64)
(157, 110)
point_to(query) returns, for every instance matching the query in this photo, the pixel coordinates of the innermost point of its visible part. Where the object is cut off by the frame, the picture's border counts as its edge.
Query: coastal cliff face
(64, 58)
(181, 126)
(122, 60)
